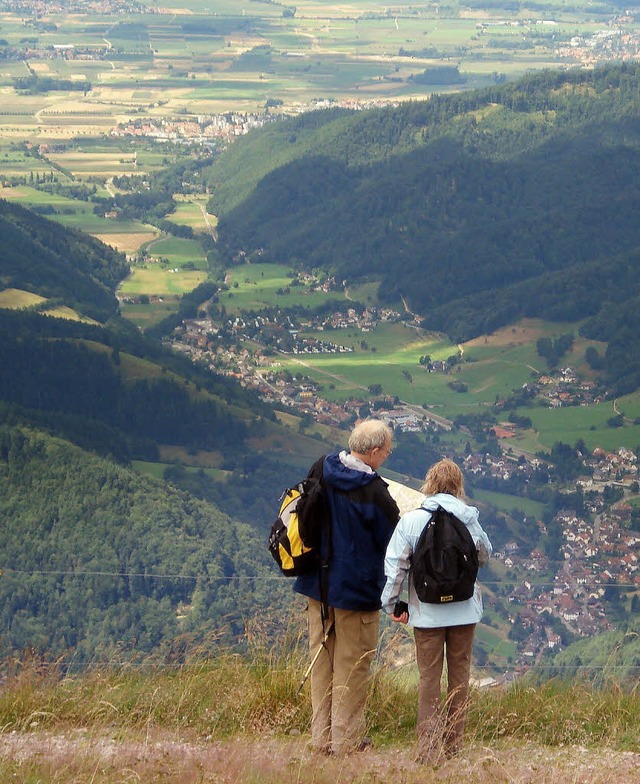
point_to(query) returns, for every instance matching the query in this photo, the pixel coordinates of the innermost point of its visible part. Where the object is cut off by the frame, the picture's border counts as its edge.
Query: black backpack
(444, 563)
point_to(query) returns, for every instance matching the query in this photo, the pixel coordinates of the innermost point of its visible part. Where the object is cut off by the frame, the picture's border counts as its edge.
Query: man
(362, 519)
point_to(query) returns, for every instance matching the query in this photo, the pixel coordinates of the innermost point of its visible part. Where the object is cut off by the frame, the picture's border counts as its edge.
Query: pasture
(15, 299)
(157, 282)
(590, 423)
(148, 315)
(509, 503)
(258, 286)
(177, 252)
(191, 212)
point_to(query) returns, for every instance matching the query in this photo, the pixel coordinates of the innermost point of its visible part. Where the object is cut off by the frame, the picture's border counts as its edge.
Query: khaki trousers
(440, 728)
(340, 677)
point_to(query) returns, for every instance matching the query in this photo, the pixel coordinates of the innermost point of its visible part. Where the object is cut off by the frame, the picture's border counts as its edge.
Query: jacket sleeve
(481, 539)
(397, 563)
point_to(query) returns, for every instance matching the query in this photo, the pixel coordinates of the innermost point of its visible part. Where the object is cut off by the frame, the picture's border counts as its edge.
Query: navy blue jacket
(363, 518)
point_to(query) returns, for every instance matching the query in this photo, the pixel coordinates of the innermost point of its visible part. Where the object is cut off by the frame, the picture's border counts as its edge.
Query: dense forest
(476, 208)
(99, 562)
(114, 393)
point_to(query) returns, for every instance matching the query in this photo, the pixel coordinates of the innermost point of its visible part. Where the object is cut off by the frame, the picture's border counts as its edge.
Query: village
(544, 603)
(598, 560)
(203, 129)
(245, 348)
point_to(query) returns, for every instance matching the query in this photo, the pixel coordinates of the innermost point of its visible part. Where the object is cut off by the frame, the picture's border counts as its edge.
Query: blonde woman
(439, 630)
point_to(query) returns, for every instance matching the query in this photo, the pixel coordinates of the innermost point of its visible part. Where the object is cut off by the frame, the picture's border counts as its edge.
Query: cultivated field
(159, 282)
(219, 56)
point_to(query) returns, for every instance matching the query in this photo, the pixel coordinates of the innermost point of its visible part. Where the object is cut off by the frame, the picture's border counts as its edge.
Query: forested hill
(104, 386)
(99, 563)
(476, 207)
(42, 257)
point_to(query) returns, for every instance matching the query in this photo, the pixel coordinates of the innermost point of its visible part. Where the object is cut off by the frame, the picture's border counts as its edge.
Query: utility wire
(269, 577)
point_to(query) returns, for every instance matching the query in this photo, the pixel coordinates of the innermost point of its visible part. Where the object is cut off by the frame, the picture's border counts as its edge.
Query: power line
(272, 577)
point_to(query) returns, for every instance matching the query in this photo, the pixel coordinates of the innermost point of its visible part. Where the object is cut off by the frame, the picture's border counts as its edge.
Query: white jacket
(397, 566)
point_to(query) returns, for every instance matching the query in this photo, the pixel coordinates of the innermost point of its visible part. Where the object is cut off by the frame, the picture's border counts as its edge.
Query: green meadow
(178, 252)
(148, 315)
(590, 423)
(507, 503)
(255, 287)
(159, 282)
(156, 470)
(189, 212)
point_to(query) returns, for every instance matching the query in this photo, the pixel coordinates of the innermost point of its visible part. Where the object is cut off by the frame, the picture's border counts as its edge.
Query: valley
(116, 118)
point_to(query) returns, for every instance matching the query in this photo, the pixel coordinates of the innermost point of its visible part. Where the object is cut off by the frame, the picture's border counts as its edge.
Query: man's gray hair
(368, 435)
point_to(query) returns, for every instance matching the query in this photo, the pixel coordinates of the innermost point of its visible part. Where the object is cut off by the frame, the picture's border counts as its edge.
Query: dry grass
(14, 299)
(230, 718)
(85, 757)
(127, 243)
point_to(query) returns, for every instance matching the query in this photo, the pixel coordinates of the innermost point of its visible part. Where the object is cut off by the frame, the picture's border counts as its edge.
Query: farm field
(507, 503)
(203, 58)
(191, 212)
(256, 286)
(160, 282)
(178, 252)
(148, 315)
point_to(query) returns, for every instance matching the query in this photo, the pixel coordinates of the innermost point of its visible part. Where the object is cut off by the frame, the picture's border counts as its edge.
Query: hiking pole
(315, 657)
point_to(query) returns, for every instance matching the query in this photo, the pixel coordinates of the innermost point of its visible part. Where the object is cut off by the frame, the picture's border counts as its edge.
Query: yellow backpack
(294, 540)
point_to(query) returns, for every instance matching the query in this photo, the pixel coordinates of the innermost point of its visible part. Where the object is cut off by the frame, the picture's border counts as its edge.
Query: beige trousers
(340, 677)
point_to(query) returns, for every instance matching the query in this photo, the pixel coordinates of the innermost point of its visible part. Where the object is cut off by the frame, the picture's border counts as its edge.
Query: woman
(439, 630)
